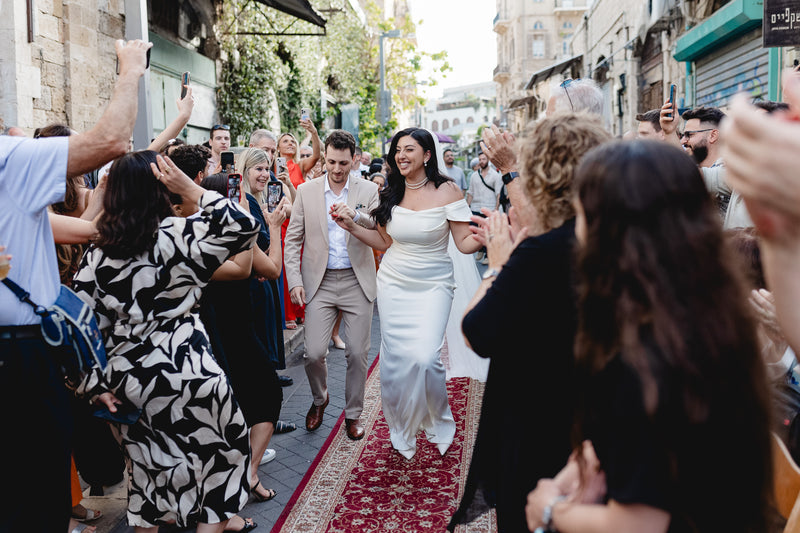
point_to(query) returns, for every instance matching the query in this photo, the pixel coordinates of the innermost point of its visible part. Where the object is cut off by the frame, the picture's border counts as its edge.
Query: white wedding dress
(415, 295)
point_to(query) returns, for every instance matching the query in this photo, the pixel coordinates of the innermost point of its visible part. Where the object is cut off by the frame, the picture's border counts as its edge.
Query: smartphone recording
(280, 164)
(234, 182)
(226, 161)
(274, 191)
(184, 84)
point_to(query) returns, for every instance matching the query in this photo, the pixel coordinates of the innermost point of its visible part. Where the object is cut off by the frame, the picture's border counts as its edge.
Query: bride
(419, 210)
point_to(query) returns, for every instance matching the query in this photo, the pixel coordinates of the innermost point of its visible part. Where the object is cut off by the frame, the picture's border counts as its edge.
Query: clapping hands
(495, 233)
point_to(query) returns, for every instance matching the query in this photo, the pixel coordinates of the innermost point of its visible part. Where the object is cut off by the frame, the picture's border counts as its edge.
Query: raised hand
(278, 215)
(499, 147)
(175, 180)
(186, 104)
(132, 56)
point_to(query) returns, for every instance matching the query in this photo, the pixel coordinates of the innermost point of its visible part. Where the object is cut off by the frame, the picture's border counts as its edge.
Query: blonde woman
(254, 165)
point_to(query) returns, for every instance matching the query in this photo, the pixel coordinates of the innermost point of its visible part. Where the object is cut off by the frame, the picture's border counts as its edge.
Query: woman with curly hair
(188, 453)
(671, 384)
(527, 404)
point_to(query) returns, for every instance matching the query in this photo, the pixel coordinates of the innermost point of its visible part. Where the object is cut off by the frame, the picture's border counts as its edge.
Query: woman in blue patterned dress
(188, 453)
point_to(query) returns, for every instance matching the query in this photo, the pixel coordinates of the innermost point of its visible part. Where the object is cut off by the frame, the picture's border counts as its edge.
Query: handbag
(69, 324)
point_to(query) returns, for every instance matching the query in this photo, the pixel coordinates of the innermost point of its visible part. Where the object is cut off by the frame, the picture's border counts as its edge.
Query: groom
(337, 273)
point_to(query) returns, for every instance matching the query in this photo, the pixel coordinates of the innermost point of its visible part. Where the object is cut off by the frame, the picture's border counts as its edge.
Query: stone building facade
(61, 67)
(530, 36)
(61, 64)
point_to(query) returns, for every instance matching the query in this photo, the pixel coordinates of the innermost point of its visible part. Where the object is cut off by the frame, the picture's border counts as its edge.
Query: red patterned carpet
(365, 486)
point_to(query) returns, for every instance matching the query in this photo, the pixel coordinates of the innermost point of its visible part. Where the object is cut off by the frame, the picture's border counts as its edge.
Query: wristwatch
(490, 273)
(509, 177)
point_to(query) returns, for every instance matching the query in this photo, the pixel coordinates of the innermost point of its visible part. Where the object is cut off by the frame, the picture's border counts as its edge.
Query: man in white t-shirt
(33, 174)
(483, 192)
(452, 170)
(484, 187)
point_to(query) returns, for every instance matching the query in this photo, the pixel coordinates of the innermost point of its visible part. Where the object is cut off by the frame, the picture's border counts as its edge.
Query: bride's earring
(425, 163)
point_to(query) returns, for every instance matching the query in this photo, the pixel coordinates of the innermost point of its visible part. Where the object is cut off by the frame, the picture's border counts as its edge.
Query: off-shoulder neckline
(430, 208)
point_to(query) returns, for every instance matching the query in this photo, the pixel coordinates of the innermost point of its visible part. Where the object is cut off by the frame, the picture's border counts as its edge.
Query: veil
(463, 362)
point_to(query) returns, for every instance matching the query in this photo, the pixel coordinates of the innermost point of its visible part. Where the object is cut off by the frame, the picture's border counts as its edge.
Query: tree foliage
(264, 74)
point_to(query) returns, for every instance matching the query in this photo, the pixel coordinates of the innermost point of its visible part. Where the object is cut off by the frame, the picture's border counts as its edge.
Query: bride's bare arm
(463, 237)
(375, 238)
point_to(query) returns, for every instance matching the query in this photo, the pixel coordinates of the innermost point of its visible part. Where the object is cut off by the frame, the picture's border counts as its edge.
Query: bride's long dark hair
(395, 188)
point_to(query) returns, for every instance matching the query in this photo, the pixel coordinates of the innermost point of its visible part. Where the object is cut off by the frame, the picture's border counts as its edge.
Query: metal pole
(381, 113)
(136, 28)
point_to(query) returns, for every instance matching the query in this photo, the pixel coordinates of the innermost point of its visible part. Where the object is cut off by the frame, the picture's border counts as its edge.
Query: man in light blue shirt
(33, 174)
(453, 171)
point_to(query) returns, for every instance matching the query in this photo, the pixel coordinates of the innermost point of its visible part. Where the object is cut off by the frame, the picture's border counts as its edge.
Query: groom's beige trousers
(339, 290)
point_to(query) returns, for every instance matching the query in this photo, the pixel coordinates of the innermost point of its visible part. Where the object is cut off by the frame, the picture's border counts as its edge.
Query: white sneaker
(268, 456)
(485, 261)
(479, 256)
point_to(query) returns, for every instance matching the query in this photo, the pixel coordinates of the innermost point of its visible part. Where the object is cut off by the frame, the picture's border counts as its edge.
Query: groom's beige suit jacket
(308, 231)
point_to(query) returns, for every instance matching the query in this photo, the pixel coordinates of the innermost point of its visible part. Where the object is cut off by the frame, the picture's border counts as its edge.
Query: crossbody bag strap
(24, 296)
(484, 182)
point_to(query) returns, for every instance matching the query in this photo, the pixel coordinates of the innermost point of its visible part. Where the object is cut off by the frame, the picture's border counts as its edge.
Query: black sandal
(259, 497)
(284, 427)
(249, 525)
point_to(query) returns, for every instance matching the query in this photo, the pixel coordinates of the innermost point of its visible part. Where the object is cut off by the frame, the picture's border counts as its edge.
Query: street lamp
(384, 96)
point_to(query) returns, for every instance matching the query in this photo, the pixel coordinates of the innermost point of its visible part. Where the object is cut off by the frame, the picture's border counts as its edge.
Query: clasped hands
(343, 215)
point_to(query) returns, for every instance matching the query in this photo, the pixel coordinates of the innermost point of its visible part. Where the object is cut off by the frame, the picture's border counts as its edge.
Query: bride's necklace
(416, 186)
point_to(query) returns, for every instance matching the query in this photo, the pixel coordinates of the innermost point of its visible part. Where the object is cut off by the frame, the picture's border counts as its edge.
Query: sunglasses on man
(688, 133)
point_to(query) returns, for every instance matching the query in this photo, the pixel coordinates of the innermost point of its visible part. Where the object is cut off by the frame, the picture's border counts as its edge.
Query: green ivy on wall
(261, 74)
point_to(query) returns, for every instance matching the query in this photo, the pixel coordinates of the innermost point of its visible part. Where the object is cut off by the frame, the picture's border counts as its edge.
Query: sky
(464, 29)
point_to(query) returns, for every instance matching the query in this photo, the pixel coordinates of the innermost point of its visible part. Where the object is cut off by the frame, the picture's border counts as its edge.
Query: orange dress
(291, 311)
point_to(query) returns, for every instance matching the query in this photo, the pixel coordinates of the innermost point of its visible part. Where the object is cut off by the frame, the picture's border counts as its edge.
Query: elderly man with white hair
(575, 95)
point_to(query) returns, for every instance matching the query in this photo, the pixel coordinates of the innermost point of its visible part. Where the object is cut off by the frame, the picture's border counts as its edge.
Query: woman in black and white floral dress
(188, 453)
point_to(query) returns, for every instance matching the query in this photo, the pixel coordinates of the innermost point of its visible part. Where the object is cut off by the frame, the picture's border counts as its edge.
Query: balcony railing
(500, 22)
(570, 5)
(501, 71)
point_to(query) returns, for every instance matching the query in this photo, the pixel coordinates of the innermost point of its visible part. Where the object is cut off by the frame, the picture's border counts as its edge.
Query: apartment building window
(538, 25)
(445, 124)
(567, 25)
(435, 125)
(456, 122)
(538, 46)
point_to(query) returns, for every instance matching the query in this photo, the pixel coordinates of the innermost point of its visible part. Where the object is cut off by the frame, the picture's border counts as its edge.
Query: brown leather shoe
(314, 416)
(355, 430)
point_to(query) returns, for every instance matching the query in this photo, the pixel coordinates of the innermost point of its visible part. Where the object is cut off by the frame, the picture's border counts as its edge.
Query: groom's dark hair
(341, 140)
